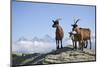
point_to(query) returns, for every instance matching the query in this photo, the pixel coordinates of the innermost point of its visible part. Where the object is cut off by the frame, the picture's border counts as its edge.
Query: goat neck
(58, 27)
(77, 30)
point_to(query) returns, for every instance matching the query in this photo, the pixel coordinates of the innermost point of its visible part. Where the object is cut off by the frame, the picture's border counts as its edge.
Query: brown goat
(76, 38)
(85, 33)
(59, 33)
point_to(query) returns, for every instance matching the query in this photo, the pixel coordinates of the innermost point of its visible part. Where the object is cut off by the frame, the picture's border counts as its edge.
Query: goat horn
(77, 21)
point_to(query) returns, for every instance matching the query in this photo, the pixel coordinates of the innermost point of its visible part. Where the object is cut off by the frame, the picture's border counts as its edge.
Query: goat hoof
(61, 47)
(57, 47)
(82, 49)
(85, 47)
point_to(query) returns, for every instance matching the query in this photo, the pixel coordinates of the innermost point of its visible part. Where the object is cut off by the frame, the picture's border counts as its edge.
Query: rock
(66, 56)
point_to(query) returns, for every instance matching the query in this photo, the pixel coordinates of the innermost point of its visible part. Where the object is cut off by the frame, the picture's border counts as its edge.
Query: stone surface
(66, 56)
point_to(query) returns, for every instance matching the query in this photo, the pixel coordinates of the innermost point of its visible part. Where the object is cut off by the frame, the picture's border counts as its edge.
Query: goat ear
(72, 25)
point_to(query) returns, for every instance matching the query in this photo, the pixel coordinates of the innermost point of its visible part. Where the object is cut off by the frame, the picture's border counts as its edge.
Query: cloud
(36, 46)
(67, 42)
(29, 46)
(32, 47)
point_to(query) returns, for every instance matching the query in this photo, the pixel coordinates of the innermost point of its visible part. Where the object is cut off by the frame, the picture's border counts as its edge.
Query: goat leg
(86, 44)
(75, 45)
(57, 44)
(61, 44)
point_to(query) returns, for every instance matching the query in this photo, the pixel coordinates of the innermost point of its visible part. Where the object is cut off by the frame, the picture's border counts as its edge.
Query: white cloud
(36, 46)
(32, 47)
(67, 42)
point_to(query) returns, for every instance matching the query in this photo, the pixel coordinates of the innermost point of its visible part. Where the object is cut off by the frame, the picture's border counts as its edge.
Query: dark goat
(59, 33)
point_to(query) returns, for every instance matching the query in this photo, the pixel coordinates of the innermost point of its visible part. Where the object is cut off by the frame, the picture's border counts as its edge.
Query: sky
(34, 20)
(30, 19)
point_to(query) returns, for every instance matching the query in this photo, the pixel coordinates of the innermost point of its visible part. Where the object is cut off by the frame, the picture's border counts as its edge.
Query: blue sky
(35, 19)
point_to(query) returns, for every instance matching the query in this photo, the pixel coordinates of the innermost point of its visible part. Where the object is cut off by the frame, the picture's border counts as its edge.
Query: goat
(76, 38)
(85, 33)
(59, 33)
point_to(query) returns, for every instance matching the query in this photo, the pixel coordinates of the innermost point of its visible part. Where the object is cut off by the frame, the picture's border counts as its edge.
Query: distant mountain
(35, 39)
(46, 38)
(22, 39)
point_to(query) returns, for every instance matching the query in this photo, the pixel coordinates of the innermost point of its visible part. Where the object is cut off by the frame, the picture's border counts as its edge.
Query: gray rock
(67, 56)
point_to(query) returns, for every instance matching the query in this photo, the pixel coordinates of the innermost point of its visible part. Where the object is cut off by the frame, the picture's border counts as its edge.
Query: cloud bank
(32, 47)
(36, 45)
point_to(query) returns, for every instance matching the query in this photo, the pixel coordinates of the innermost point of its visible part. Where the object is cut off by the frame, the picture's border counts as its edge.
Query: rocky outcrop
(68, 55)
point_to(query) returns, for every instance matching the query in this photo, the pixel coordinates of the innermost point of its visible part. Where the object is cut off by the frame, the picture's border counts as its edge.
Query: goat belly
(59, 36)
